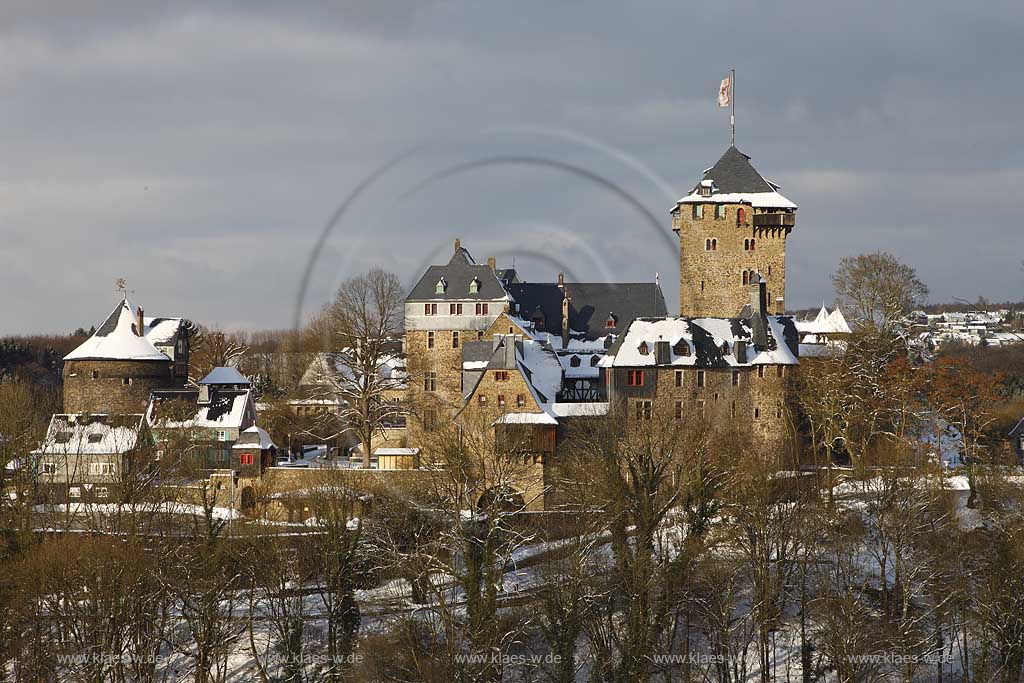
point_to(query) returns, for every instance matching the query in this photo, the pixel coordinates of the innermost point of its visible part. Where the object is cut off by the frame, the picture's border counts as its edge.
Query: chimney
(561, 280)
(565, 317)
(510, 352)
(759, 312)
(138, 322)
(739, 349)
(492, 263)
(780, 308)
(204, 394)
(458, 244)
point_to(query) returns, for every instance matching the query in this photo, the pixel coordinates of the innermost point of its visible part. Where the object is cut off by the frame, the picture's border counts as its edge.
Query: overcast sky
(199, 152)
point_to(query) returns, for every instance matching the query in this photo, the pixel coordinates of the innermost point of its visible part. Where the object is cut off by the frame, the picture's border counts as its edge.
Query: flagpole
(732, 101)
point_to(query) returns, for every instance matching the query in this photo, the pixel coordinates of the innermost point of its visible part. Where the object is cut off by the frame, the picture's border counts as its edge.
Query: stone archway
(248, 499)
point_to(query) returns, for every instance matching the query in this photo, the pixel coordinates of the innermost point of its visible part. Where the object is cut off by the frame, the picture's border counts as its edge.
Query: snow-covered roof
(734, 180)
(711, 342)
(825, 323)
(579, 409)
(225, 375)
(226, 410)
(255, 436)
(91, 434)
(118, 338)
(396, 451)
(760, 200)
(161, 331)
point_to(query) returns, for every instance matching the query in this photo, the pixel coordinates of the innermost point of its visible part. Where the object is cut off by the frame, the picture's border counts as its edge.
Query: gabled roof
(456, 275)
(92, 434)
(255, 437)
(734, 180)
(590, 305)
(226, 410)
(117, 338)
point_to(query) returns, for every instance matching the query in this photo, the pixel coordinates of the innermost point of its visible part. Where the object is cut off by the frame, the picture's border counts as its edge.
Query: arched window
(751, 245)
(714, 245)
(746, 278)
(707, 245)
(643, 348)
(741, 216)
(746, 245)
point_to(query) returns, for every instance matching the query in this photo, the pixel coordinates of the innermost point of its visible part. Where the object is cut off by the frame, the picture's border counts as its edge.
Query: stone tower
(732, 227)
(114, 371)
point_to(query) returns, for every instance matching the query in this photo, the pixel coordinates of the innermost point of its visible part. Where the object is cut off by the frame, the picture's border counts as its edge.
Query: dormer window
(610, 322)
(538, 320)
(725, 348)
(574, 361)
(440, 287)
(681, 348)
(706, 188)
(644, 349)
(474, 286)
(594, 360)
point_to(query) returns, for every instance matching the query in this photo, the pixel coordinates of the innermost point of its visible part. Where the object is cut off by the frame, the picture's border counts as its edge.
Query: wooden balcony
(774, 220)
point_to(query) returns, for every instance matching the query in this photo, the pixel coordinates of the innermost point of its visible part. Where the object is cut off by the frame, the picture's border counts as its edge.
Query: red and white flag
(725, 92)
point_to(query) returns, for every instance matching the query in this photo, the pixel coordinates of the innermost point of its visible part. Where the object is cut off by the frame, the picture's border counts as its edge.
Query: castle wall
(113, 386)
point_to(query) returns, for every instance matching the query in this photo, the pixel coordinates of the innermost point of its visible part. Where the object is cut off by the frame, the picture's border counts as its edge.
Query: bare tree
(878, 288)
(215, 349)
(361, 325)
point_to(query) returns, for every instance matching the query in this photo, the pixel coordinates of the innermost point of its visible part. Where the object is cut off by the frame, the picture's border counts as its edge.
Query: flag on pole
(725, 92)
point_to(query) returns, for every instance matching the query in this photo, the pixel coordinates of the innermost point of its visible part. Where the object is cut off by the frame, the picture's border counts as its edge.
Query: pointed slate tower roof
(118, 338)
(735, 180)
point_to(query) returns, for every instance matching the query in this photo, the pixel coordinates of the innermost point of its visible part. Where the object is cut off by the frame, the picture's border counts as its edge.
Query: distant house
(255, 451)
(203, 423)
(89, 458)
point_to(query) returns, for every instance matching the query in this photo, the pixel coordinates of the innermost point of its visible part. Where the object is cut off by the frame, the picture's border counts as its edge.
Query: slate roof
(735, 173)
(590, 305)
(118, 339)
(711, 342)
(458, 273)
(222, 375)
(225, 410)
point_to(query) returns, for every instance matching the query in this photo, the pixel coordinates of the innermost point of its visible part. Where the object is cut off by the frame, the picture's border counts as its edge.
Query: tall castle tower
(732, 227)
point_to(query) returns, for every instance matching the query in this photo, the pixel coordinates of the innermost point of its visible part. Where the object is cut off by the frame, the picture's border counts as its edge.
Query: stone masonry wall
(711, 282)
(99, 386)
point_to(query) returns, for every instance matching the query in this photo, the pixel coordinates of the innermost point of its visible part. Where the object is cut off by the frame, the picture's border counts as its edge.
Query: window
(501, 375)
(454, 309)
(429, 420)
(679, 410)
(760, 371)
(74, 492)
(643, 348)
(481, 309)
(520, 400)
(643, 410)
(741, 216)
(575, 361)
(474, 286)
(479, 335)
(430, 381)
(745, 279)
(769, 270)
(702, 285)
(635, 378)
(780, 370)
(101, 492)
(700, 408)
(735, 378)
(778, 410)
(429, 309)
(430, 339)
(679, 378)
(609, 324)
(95, 374)
(222, 435)
(698, 212)
(594, 360)
(245, 459)
(49, 468)
(752, 245)
(95, 438)
(126, 381)
(719, 211)
(440, 286)
(455, 340)
(714, 245)
(700, 379)
(732, 410)
(101, 468)
(482, 399)
(757, 413)
(501, 400)
(707, 245)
